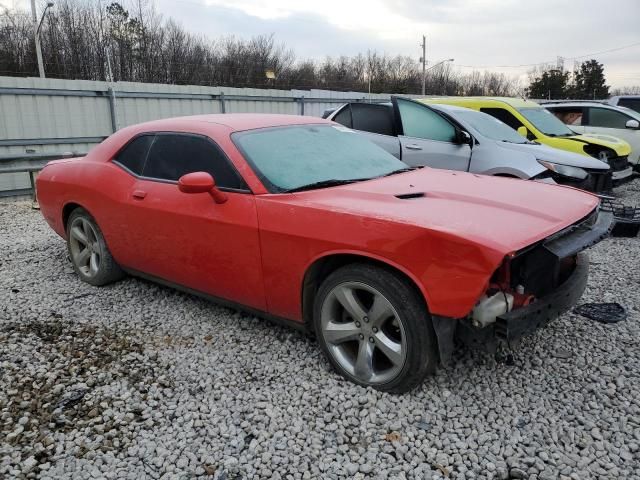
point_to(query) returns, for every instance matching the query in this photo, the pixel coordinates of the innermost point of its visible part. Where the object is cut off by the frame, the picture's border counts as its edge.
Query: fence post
(112, 109)
(223, 108)
(301, 105)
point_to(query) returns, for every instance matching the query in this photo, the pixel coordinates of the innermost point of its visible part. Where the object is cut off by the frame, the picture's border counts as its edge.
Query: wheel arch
(321, 267)
(67, 209)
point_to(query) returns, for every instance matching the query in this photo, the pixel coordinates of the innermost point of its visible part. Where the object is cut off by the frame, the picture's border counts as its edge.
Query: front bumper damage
(510, 327)
(516, 324)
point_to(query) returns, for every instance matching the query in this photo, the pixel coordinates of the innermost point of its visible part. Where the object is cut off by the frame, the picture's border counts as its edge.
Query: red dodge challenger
(298, 219)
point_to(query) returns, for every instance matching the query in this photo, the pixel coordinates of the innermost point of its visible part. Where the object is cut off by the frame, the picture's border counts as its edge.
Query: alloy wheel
(363, 333)
(85, 249)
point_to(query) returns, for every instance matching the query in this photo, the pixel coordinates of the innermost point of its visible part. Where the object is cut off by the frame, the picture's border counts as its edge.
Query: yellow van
(537, 123)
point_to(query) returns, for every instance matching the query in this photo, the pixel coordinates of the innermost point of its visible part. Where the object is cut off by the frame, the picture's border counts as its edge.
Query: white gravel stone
(135, 380)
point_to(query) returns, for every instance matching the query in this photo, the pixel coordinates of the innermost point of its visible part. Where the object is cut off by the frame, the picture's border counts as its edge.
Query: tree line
(586, 82)
(94, 40)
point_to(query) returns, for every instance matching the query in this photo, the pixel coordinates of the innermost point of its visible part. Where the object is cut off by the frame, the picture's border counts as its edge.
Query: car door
(573, 117)
(374, 121)
(188, 239)
(612, 122)
(428, 138)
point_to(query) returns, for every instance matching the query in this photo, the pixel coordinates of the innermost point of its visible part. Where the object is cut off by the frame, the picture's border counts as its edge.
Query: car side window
(421, 122)
(372, 118)
(174, 155)
(134, 154)
(344, 117)
(569, 115)
(603, 117)
(504, 115)
(632, 103)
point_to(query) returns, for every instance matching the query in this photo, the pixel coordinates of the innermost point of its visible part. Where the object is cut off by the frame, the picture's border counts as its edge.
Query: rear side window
(372, 118)
(344, 117)
(569, 115)
(421, 122)
(135, 153)
(505, 116)
(172, 156)
(603, 117)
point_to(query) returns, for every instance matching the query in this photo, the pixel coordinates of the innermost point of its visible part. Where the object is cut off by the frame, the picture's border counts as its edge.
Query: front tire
(90, 257)
(374, 328)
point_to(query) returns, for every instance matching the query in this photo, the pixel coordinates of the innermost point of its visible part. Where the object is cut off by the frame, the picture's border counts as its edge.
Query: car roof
(581, 103)
(616, 108)
(514, 102)
(233, 121)
(451, 108)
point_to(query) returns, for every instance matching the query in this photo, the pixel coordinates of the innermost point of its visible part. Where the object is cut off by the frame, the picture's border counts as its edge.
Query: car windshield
(546, 122)
(491, 127)
(314, 156)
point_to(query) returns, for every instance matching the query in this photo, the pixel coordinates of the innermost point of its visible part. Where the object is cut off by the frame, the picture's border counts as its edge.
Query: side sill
(221, 301)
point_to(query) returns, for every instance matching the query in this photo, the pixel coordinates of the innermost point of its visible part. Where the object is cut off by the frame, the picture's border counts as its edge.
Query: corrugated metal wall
(40, 116)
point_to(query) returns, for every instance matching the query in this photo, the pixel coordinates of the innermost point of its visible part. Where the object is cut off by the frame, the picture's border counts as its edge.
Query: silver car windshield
(491, 127)
(546, 122)
(315, 156)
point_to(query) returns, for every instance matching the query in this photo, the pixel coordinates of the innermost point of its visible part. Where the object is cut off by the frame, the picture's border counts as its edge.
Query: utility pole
(424, 62)
(36, 37)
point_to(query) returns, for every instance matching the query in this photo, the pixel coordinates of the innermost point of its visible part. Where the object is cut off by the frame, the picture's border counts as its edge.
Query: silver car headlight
(565, 170)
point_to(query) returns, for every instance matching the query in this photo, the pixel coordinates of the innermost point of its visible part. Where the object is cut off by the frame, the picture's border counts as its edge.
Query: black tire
(413, 320)
(107, 270)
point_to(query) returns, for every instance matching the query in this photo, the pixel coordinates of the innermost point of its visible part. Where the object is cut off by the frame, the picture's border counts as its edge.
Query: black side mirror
(464, 138)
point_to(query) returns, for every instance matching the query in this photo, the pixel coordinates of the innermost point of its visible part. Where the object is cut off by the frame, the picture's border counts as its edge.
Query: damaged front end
(531, 288)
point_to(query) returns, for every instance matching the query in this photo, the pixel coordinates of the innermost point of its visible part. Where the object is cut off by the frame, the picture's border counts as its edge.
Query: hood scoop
(409, 196)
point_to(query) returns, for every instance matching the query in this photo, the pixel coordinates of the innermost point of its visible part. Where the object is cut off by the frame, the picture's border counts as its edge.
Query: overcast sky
(481, 33)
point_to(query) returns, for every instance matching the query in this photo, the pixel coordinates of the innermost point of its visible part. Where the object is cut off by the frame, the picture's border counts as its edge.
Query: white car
(600, 118)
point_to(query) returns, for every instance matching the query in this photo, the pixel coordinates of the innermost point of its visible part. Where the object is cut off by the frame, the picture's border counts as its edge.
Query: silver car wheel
(363, 333)
(85, 247)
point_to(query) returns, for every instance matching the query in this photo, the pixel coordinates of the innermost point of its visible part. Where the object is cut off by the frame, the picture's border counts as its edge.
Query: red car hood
(501, 213)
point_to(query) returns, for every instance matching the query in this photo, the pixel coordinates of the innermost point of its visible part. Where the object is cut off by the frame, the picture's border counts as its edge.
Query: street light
(440, 63)
(425, 70)
(38, 26)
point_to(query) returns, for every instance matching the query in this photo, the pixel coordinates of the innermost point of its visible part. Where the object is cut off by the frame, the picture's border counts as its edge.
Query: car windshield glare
(291, 157)
(491, 127)
(546, 122)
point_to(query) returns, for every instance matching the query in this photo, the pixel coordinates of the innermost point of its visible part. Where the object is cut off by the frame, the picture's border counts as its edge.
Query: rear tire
(88, 251)
(374, 328)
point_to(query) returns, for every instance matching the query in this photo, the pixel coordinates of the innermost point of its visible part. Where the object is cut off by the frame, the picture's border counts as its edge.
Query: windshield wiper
(401, 170)
(332, 182)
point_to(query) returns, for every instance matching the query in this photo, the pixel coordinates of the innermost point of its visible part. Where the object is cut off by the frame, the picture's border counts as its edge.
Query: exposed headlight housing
(565, 170)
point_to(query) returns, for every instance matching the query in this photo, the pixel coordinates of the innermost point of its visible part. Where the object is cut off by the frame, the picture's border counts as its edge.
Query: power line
(552, 61)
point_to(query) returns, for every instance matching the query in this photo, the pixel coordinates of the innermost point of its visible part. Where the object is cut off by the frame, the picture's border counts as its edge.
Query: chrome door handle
(139, 194)
(413, 147)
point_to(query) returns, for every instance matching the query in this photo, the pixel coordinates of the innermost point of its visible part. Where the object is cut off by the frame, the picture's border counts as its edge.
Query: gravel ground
(139, 381)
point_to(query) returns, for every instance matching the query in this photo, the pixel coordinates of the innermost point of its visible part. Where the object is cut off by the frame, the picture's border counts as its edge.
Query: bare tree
(80, 37)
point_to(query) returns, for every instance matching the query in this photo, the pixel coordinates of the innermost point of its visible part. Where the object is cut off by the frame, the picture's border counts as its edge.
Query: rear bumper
(521, 322)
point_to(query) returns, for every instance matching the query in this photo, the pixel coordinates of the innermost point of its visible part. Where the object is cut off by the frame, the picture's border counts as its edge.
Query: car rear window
(372, 118)
(134, 154)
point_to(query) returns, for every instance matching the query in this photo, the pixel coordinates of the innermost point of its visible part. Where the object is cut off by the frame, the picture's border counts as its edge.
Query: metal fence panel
(39, 116)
